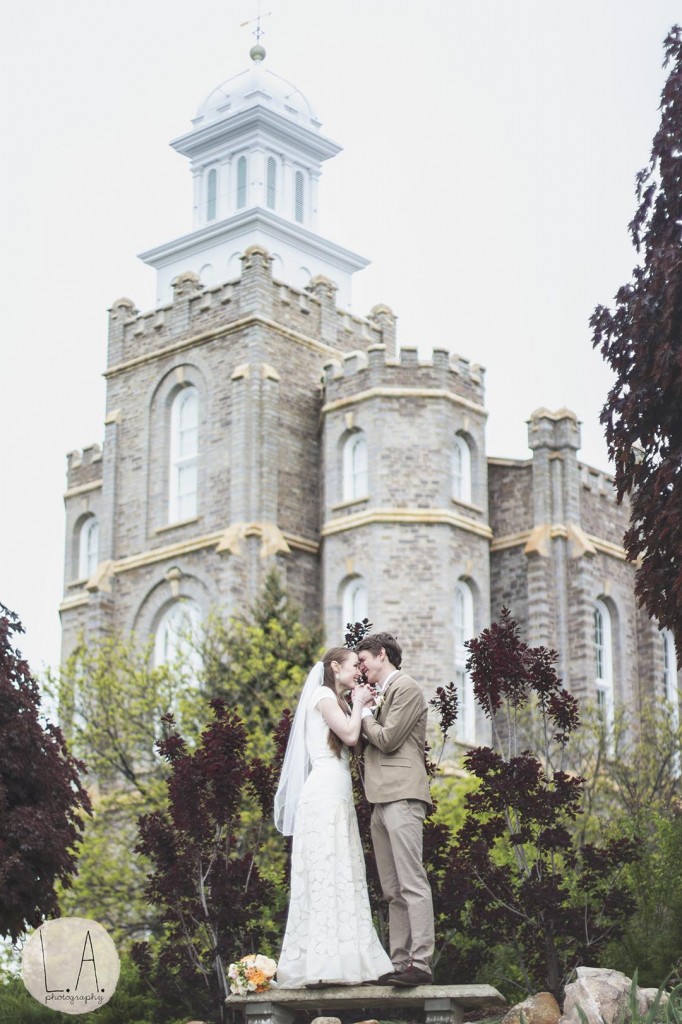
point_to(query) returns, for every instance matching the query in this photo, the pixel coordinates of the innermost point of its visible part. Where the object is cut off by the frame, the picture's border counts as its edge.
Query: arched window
(212, 195)
(355, 476)
(176, 633)
(299, 196)
(463, 631)
(88, 548)
(271, 184)
(355, 604)
(461, 470)
(603, 661)
(670, 693)
(241, 183)
(184, 451)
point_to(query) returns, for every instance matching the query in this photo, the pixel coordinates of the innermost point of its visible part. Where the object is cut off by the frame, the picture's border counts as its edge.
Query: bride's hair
(335, 654)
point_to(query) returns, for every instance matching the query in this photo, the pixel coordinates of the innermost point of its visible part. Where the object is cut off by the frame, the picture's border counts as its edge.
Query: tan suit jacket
(394, 752)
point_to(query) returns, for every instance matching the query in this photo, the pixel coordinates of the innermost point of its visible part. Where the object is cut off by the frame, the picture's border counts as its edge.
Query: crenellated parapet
(359, 371)
(199, 311)
(84, 466)
(600, 509)
(597, 482)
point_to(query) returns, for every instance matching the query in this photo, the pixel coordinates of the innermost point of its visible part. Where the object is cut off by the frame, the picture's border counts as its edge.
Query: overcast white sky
(490, 148)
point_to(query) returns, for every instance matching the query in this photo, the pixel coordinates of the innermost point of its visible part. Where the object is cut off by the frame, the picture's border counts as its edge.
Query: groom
(397, 785)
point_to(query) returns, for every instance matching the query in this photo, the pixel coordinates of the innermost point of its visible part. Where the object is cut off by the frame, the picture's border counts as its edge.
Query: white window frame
(670, 691)
(463, 629)
(179, 622)
(355, 467)
(299, 197)
(88, 547)
(602, 642)
(355, 602)
(461, 470)
(184, 455)
(271, 183)
(241, 183)
(212, 194)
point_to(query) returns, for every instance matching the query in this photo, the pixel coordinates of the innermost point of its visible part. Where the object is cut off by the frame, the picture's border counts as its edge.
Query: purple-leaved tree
(518, 877)
(205, 880)
(641, 340)
(42, 800)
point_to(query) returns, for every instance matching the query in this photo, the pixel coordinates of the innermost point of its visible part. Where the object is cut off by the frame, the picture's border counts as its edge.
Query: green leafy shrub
(134, 1002)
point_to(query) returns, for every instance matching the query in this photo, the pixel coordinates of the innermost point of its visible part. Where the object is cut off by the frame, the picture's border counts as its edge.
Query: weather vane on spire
(257, 52)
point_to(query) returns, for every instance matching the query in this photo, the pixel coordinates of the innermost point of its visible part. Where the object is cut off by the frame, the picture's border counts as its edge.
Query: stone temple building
(253, 421)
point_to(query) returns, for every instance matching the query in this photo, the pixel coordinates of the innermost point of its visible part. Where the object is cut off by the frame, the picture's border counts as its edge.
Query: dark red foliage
(282, 731)
(514, 872)
(446, 706)
(641, 340)
(262, 782)
(205, 880)
(42, 801)
(503, 668)
(355, 632)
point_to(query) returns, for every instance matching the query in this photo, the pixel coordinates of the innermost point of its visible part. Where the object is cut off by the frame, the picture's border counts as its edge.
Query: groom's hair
(375, 641)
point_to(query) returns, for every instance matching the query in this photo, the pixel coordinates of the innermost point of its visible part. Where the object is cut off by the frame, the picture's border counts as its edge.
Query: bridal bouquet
(253, 973)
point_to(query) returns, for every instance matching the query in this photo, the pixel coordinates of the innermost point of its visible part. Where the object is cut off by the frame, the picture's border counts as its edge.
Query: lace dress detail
(329, 935)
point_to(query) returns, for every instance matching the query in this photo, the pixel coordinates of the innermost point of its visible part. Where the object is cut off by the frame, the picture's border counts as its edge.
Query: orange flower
(257, 977)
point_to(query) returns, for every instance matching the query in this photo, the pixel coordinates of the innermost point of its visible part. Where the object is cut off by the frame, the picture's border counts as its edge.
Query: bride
(329, 938)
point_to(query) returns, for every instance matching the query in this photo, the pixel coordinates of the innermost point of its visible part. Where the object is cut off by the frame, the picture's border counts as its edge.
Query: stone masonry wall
(510, 496)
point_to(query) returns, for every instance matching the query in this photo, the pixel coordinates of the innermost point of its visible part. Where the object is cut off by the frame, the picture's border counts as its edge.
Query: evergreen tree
(259, 663)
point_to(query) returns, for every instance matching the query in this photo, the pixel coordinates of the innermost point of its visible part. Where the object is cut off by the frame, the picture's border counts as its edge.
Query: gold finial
(257, 52)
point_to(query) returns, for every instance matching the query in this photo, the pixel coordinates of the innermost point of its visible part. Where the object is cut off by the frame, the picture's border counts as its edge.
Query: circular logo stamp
(70, 964)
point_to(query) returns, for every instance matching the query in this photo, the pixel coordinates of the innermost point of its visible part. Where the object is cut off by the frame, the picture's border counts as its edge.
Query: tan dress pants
(397, 837)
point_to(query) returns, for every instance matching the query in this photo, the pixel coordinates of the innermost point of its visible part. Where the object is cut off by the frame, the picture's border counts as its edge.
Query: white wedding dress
(329, 936)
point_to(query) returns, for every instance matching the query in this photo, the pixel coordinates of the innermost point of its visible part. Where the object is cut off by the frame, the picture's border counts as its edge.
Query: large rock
(539, 1009)
(602, 995)
(651, 994)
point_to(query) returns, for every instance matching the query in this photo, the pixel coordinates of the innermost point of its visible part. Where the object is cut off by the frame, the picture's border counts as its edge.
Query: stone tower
(252, 420)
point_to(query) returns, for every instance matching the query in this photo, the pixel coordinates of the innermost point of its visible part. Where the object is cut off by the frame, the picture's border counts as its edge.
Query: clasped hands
(364, 695)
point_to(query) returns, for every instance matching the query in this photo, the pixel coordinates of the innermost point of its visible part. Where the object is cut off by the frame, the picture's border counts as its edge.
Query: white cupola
(255, 151)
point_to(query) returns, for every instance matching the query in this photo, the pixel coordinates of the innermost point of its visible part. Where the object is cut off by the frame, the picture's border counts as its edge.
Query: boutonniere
(378, 701)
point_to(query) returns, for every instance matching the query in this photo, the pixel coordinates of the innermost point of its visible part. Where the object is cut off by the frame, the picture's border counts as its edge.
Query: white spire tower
(255, 152)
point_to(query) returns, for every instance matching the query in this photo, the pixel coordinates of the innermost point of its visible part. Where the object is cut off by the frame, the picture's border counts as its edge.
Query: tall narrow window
(670, 693)
(271, 184)
(299, 196)
(241, 183)
(463, 631)
(461, 470)
(603, 661)
(176, 635)
(88, 548)
(355, 476)
(212, 195)
(355, 604)
(184, 451)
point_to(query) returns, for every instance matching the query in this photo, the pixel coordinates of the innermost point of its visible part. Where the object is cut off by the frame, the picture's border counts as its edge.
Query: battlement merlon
(554, 430)
(84, 467)
(197, 310)
(598, 482)
(360, 371)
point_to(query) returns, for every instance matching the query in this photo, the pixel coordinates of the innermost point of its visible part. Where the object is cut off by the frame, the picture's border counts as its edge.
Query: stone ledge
(441, 1004)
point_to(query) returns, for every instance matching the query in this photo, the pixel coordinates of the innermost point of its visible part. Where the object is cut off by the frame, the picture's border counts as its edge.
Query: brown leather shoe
(383, 979)
(410, 977)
